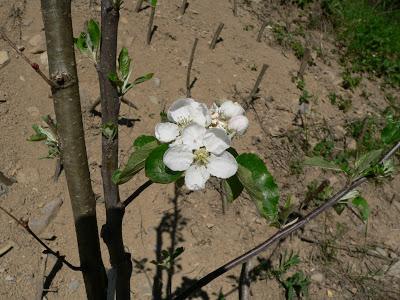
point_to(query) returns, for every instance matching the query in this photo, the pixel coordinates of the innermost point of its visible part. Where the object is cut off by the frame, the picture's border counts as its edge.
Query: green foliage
(109, 130)
(317, 195)
(143, 146)
(371, 33)
(302, 3)
(49, 137)
(88, 43)
(155, 168)
(260, 184)
(349, 81)
(153, 3)
(288, 40)
(305, 97)
(296, 285)
(391, 133)
(320, 162)
(121, 79)
(168, 259)
(341, 103)
(324, 148)
(365, 133)
(362, 206)
(232, 188)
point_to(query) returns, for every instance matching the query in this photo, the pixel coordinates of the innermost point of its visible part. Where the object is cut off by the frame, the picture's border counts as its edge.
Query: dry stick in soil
(48, 249)
(150, 26)
(304, 63)
(254, 91)
(34, 65)
(216, 35)
(244, 281)
(283, 233)
(235, 8)
(183, 7)
(65, 92)
(188, 81)
(138, 7)
(110, 106)
(261, 32)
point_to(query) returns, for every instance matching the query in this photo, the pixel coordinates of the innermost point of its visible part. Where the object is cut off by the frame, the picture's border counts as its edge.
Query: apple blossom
(230, 117)
(201, 153)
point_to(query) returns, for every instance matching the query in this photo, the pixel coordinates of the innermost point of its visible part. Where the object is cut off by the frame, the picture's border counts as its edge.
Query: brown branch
(244, 281)
(136, 193)
(92, 107)
(235, 8)
(48, 249)
(216, 36)
(150, 26)
(254, 91)
(261, 32)
(34, 65)
(188, 81)
(304, 63)
(283, 233)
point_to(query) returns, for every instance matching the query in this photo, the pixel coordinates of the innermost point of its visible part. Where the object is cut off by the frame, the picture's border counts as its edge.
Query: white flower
(230, 117)
(202, 153)
(182, 113)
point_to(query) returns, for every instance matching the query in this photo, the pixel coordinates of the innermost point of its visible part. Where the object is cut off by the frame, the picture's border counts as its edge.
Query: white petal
(180, 110)
(166, 132)
(196, 177)
(239, 124)
(222, 166)
(231, 109)
(200, 114)
(216, 140)
(192, 136)
(178, 158)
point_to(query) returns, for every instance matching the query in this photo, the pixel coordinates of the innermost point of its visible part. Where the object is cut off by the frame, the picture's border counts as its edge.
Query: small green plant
(340, 102)
(288, 40)
(88, 43)
(318, 195)
(121, 78)
(302, 3)
(350, 81)
(168, 259)
(48, 135)
(324, 148)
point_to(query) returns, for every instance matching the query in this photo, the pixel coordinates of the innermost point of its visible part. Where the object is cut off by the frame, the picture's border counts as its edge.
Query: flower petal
(196, 177)
(200, 114)
(216, 140)
(166, 132)
(231, 109)
(178, 158)
(222, 166)
(192, 136)
(239, 124)
(180, 111)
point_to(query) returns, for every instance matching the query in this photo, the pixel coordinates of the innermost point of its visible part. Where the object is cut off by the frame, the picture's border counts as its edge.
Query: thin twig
(183, 7)
(138, 6)
(254, 91)
(216, 36)
(48, 249)
(136, 193)
(92, 107)
(129, 103)
(151, 21)
(244, 281)
(261, 32)
(280, 234)
(34, 66)
(188, 81)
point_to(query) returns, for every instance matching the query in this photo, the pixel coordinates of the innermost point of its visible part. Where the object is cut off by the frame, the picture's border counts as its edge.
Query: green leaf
(155, 168)
(80, 42)
(113, 77)
(38, 136)
(366, 162)
(144, 145)
(143, 140)
(259, 183)
(362, 206)
(391, 133)
(153, 3)
(124, 63)
(232, 188)
(94, 33)
(319, 162)
(143, 78)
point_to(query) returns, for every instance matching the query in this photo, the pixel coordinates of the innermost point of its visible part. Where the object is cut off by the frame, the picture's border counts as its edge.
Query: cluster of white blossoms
(199, 138)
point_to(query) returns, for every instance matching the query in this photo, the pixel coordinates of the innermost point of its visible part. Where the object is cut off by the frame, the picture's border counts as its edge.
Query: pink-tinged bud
(239, 124)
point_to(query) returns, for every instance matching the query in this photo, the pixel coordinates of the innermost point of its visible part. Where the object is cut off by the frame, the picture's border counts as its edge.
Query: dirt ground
(194, 220)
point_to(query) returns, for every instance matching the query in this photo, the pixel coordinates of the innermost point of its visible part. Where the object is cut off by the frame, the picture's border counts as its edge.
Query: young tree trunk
(110, 106)
(67, 106)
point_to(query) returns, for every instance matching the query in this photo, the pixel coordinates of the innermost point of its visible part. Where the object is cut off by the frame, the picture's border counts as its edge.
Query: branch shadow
(128, 122)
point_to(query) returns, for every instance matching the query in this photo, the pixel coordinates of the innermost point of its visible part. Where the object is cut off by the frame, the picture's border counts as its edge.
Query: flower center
(184, 122)
(201, 156)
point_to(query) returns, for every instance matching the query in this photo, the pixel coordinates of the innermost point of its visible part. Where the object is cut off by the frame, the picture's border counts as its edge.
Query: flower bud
(231, 109)
(239, 124)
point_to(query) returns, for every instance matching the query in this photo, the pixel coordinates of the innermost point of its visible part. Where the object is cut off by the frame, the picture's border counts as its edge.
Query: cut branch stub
(254, 91)
(304, 63)
(261, 32)
(188, 79)
(183, 7)
(216, 35)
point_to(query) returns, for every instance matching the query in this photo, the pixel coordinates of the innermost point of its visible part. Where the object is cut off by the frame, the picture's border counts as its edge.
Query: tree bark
(67, 106)
(110, 106)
